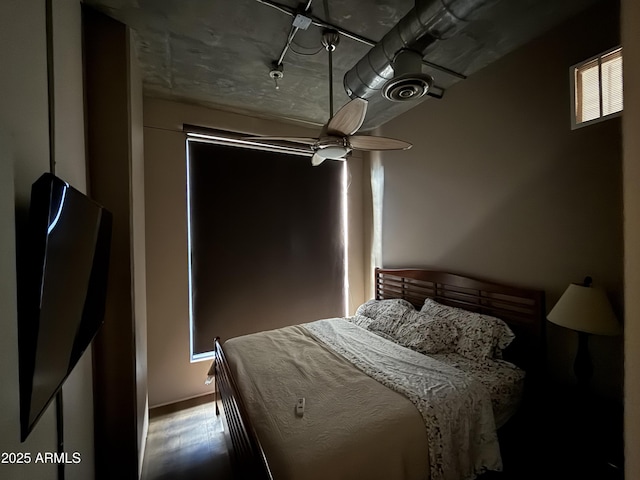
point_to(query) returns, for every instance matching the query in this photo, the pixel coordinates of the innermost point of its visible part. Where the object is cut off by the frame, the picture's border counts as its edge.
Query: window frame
(572, 82)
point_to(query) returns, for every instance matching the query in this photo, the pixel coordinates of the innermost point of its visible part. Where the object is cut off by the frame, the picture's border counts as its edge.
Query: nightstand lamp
(587, 310)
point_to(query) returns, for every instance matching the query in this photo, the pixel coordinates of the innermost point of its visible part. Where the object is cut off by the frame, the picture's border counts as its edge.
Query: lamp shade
(585, 309)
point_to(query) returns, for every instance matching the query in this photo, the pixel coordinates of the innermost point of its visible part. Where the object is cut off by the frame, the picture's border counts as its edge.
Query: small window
(597, 88)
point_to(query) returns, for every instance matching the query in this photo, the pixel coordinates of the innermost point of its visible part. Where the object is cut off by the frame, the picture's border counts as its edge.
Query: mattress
(367, 399)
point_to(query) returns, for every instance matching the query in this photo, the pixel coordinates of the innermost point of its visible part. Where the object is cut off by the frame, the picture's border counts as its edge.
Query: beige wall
(139, 263)
(116, 165)
(497, 184)
(171, 376)
(24, 156)
(631, 127)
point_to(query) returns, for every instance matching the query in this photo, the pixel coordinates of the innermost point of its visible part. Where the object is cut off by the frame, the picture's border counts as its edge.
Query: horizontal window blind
(612, 82)
(598, 87)
(587, 92)
(266, 241)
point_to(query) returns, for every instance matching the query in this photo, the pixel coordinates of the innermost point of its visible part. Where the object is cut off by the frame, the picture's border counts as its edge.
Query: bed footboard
(245, 452)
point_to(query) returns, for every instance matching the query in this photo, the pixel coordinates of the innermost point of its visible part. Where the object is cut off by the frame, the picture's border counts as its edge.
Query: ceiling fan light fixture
(333, 152)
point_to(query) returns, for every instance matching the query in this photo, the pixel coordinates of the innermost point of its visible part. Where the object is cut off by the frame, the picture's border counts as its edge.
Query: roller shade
(266, 241)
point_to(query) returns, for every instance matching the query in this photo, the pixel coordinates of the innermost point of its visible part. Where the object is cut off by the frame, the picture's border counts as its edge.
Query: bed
(379, 400)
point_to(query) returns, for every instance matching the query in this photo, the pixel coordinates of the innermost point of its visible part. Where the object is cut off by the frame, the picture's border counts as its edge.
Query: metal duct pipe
(428, 21)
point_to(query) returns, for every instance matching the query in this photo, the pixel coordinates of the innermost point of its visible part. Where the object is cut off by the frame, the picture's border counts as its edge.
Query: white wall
(24, 156)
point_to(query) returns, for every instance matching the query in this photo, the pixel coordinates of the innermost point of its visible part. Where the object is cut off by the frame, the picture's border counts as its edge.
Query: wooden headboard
(523, 309)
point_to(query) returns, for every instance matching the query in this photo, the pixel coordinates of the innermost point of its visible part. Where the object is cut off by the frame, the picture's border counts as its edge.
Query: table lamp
(587, 310)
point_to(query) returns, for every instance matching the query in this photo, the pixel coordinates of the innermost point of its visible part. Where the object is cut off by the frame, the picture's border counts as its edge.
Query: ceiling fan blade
(368, 142)
(304, 140)
(348, 119)
(317, 159)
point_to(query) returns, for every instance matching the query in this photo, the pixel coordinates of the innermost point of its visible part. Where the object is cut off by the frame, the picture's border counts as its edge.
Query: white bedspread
(456, 409)
(353, 426)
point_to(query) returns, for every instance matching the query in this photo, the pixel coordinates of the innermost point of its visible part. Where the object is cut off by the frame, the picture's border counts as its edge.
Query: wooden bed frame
(248, 460)
(523, 309)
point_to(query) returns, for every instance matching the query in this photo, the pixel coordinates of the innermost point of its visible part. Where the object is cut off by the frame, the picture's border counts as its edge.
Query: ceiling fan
(337, 138)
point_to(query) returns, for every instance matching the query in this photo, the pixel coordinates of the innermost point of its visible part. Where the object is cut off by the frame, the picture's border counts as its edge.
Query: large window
(267, 241)
(597, 88)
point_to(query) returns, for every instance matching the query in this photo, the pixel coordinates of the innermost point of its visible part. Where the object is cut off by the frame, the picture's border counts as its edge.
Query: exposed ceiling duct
(389, 71)
(218, 53)
(407, 84)
(428, 21)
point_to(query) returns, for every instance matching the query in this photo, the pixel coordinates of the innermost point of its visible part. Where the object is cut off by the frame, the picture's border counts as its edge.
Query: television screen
(64, 290)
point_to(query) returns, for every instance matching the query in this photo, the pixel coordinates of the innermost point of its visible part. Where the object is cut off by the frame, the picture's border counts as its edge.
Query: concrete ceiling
(218, 53)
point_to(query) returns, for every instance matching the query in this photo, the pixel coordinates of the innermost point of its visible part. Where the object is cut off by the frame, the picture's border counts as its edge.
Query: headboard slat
(523, 309)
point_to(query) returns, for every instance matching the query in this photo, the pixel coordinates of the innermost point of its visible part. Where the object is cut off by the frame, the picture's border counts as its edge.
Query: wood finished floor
(186, 441)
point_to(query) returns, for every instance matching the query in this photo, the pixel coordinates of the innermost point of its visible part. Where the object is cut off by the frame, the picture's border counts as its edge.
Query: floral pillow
(428, 335)
(480, 337)
(387, 315)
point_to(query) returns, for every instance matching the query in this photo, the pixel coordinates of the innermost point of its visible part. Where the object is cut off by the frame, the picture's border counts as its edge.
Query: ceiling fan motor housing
(408, 83)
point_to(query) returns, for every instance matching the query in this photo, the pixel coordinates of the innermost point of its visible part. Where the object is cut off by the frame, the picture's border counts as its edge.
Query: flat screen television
(62, 289)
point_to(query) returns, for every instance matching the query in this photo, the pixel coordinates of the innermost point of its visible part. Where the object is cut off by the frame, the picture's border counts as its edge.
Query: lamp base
(582, 367)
